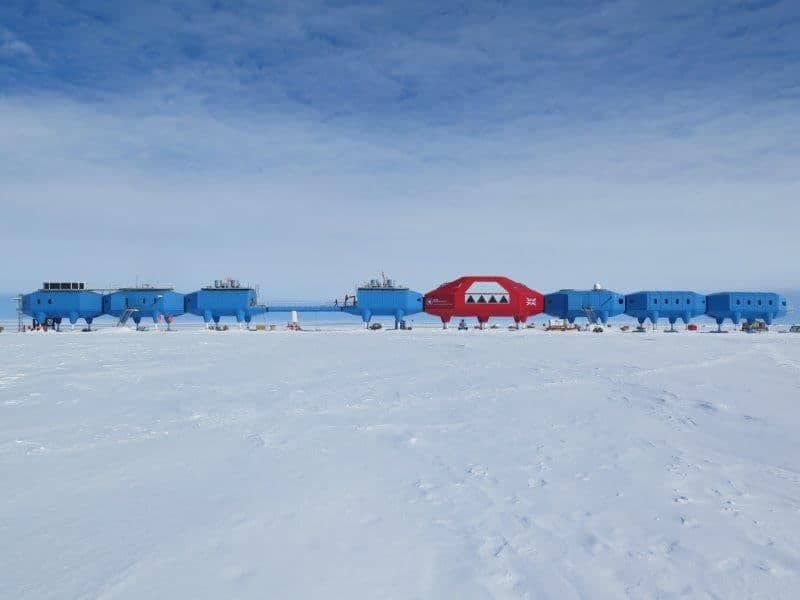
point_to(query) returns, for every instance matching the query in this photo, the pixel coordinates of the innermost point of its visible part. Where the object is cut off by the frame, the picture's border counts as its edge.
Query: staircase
(126, 315)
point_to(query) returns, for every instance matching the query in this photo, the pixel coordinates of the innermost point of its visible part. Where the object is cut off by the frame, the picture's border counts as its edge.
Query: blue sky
(308, 145)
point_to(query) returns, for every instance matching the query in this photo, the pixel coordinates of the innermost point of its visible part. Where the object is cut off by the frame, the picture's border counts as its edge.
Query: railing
(126, 315)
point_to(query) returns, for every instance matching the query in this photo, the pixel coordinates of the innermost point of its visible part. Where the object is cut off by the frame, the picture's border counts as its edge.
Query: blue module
(377, 298)
(140, 302)
(596, 304)
(226, 298)
(665, 305)
(384, 299)
(745, 305)
(63, 300)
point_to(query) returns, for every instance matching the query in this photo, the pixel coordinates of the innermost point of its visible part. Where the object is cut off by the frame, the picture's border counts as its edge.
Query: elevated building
(747, 306)
(663, 304)
(141, 302)
(225, 298)
(595, 305)
(56, 301)
(383, 298)
(483, 297)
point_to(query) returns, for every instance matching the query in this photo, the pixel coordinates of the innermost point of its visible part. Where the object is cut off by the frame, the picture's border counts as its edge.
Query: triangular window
(492, 300)
(503, 299)
(481, 300)
(470, 299)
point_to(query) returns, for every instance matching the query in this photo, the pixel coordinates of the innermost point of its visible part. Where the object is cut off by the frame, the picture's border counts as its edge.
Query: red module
(483, 296)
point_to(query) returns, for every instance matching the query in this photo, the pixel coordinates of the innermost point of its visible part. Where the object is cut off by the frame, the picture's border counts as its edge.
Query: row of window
(50, 301)
(482, 300)
(677, 301)
(749, 302)
(738, 301)
(128, 302)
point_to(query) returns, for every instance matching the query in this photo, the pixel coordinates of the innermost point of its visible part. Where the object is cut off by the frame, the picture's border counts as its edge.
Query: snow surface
(422, 464)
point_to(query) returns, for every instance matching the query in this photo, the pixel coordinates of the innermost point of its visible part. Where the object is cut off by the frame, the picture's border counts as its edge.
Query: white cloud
(13, 47)
(311, 146)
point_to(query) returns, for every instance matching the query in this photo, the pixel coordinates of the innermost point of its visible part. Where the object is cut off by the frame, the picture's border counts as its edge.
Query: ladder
(126, 315)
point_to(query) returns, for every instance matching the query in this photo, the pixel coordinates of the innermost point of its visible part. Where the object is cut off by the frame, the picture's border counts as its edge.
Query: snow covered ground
(422, 464)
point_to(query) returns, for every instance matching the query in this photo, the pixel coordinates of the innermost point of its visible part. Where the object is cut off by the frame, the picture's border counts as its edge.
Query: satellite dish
(597, 286)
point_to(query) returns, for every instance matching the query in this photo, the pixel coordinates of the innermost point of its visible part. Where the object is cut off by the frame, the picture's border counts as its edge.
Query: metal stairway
(126, 315)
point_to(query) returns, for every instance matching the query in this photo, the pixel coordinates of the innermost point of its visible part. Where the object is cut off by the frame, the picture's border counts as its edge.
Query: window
(38, 301)
(770, 302)
(677, 301)
(738, 301)
(759, 302)
(688, 301)
(621, 301)
(749, 302)
(655, 300)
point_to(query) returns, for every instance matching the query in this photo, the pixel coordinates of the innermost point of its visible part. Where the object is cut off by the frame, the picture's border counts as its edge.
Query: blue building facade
(226, 298)
(143, 302)
(670, 305)
(384, 299)
(595, 305)
(747, 306)
(56, 301)
(377, 298)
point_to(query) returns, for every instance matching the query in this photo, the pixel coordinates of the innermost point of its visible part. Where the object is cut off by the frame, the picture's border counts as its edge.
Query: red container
(483, 296)
(692, 327)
